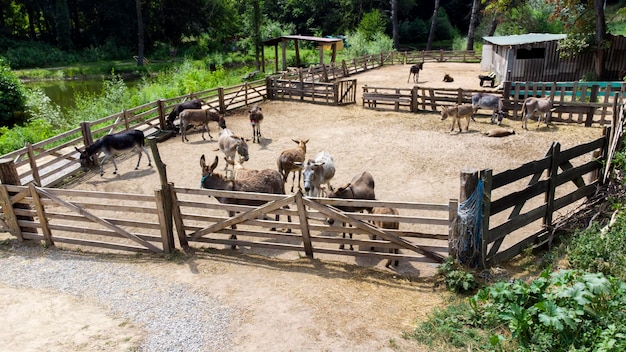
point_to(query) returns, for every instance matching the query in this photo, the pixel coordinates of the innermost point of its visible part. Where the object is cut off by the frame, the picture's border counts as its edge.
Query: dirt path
(288, 303)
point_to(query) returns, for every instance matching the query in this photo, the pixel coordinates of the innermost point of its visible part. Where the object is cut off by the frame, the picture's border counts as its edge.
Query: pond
(63, 92)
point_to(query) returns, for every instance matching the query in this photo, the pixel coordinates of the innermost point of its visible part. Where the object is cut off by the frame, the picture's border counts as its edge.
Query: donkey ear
(78, 150)
(214, 165)
(202, 161)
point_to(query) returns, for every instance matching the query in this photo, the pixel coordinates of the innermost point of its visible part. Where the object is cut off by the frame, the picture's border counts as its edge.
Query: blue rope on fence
(469, 216)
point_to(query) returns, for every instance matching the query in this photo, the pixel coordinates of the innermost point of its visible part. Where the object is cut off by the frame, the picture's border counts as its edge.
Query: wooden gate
(117, 221)
(304, 226)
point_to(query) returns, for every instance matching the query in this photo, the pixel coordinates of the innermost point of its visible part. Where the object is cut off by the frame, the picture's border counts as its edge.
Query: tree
(140, 42)
(581, 19)
(472, 24)
(433, 26)
(13, 97)
(394, 24)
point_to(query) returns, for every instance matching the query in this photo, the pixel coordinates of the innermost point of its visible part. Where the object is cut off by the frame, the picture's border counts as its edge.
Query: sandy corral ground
(297, 304)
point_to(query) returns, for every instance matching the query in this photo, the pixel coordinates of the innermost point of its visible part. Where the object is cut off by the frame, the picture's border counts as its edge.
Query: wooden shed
(323, 43)
(535, 57)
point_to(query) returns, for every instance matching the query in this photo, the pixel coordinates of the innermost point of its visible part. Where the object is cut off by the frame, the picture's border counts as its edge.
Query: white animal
(536, 107)
(317, 172)
(232, 145)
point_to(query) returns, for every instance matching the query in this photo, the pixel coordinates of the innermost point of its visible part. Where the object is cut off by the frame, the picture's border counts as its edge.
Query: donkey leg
(115, 165)
(106, 157)
(138, 159)
(148, 155)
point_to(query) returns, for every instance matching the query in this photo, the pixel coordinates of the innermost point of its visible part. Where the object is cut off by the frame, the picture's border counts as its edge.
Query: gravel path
(174, 316)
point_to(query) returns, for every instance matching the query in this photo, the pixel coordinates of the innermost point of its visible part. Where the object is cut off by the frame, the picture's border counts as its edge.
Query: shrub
(455, 277)
(12, 96)
(601, 251)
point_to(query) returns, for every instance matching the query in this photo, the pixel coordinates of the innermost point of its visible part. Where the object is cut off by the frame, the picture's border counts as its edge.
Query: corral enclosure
(313, 304)
(413, 157)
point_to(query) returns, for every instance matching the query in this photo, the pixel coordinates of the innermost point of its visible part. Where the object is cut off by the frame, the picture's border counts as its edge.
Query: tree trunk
(494, 25)
(256, 21)
(600, 36)
(433, 26)
(394, 22)
(472, 25)
(139, 34)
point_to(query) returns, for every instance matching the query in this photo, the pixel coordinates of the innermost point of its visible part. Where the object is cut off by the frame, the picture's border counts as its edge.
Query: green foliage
(414, 31)
(445, 30)
(451, 328)
(556, 311)
(456, 278)
(371, 24)
(573, 44)
(32, 132)
(602, 251)
(12, 96)
(358, 45)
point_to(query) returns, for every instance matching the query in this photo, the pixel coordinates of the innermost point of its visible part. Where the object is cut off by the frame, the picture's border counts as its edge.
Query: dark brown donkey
(265, 181)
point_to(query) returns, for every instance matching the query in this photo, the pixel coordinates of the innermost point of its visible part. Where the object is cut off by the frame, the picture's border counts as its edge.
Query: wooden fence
(146, 223)
(48, 162)
(340, 92)
(573, 102)
(535, 200)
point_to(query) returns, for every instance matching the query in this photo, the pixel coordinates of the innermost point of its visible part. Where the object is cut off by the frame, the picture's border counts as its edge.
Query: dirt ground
(319, 305)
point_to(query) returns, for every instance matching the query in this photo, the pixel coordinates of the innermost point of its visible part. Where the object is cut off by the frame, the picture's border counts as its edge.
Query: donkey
(289, 159)
(231, 145)
(448, 78)
(317, 172)
(387, 224)
(536, 106)
(489, 101)
(361, 187)
(415, 71)
(457, 112)
(202, 116)
(191, 104)
(265, 181)
(109, 144)
(256, 117)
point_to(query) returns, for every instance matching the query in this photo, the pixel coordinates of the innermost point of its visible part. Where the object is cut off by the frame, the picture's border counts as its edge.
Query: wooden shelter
(334, 43)
(536, 57)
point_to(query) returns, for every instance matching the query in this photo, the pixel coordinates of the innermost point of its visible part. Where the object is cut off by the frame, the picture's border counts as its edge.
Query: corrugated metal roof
(524, 38)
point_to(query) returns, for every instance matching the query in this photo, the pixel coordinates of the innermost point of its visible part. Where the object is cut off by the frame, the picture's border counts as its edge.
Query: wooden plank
(243, 217)
(304, 225)
(581, 149)
(575, 196)
(41, 214)
(515, 223)
(372, 230)
(519, 197)
(512, 175)
(102, 195)
(96, 219)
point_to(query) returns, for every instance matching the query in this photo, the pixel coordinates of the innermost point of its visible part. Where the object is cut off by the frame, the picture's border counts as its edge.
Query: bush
(358, 45)
(601, 251)
(12, 97)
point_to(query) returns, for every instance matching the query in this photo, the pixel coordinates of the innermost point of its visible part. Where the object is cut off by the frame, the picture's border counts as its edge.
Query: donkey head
(207, 171)
(85, 159)
(444, 113)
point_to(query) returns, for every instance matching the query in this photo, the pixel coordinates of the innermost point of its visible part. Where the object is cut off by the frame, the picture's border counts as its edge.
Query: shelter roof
(524, 38)
(322, 40)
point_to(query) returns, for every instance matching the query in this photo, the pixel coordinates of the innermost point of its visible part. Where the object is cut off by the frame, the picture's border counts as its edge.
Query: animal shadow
(128, 175)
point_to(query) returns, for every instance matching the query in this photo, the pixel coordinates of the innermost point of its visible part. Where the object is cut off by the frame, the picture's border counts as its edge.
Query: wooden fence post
(161, 110)
(220, 92)
(550, 193)
(33, 163)
(592, 99)
(164, 199)
(414, 99)
(304, 225)
(459, 96)
(469, 181)
(485, 176)
(85, 130)
(41, 214)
